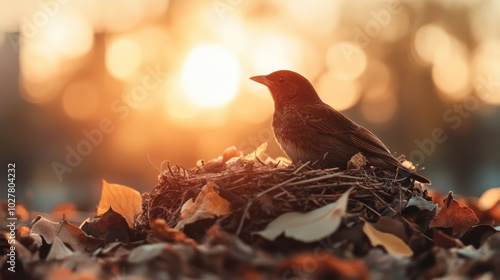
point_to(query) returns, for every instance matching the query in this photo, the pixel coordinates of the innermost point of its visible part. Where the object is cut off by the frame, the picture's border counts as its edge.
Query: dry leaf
(453, 215)
(124, 200)
(208, 204)
(58, 250)
(68, 233)
(110, 227)
(311, 226)
(393, 244)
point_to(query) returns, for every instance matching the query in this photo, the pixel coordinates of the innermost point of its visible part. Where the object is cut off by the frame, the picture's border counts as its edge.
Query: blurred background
(89, 88)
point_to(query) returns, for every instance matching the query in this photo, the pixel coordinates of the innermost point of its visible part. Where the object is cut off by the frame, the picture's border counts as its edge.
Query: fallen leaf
(393, 244)
(453, 215)
(58, 250)
(111, 227)
(66, 232)
(208, 204)
(420, 212)
(311, 226)
(124, 200)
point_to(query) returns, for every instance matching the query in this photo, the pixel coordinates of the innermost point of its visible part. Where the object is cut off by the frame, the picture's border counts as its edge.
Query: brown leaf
(123, 199)
(208, 204)
(111, 227)
(453, 215)
(66, 232)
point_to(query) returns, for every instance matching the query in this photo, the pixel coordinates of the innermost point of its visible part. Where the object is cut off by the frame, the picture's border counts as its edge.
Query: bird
(309, 130)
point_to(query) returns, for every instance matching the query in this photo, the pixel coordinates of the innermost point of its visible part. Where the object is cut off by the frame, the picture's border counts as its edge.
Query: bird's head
(288, 88)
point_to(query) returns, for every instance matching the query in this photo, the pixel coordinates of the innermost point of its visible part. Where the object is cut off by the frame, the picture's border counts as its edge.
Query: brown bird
(308, 129)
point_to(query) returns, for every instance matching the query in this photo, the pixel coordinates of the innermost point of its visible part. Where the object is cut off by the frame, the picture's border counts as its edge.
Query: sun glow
(210, 76)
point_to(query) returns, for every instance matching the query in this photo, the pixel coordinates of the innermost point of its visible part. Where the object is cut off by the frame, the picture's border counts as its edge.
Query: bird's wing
(325, 120)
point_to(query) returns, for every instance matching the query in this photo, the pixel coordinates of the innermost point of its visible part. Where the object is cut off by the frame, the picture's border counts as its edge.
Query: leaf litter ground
(253, 217)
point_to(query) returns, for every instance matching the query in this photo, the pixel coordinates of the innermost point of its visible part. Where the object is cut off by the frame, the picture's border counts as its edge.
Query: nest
(260, 189)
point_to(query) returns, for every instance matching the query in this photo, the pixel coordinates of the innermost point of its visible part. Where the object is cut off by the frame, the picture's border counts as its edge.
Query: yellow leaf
(393, 244)
(124, 200)
(208, 204)
(311, 226)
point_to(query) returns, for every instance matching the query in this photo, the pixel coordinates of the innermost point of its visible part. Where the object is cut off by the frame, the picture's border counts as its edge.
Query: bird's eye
(281, 80)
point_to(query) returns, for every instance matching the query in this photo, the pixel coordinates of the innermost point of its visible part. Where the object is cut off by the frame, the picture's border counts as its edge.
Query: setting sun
(210, 76)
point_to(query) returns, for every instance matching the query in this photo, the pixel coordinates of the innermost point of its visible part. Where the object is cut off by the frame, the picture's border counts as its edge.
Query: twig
(301, 167)
(276, 186)
(243, 216)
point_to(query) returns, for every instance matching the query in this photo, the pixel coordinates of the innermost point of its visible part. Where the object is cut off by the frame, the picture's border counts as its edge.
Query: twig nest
(257, 189)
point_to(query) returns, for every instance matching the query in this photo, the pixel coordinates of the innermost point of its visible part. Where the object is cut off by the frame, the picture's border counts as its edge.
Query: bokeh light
(123, 57)
(485, 20)
(322, 15)
(432, 44)
(379, 111)
(486, 63)
(346, 61)
(40, 93)
(255, 109)
(121, 15)
(339, 93)
(452, 78)
(274, 51)
(80, 100)
(176, 103)
(69, 34)
(210, 76)
(378, 81)
(38, 62)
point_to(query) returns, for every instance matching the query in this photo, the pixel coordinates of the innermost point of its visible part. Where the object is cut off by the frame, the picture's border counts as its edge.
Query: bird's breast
(294, 137)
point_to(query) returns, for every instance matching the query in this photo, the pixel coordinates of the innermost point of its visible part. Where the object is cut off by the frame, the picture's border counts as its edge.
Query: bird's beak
(263, 80)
